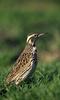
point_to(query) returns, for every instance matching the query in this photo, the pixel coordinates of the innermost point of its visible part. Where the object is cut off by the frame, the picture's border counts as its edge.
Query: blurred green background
(17, 19)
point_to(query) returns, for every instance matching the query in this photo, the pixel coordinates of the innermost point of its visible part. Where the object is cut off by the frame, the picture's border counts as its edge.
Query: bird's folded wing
(22, 68)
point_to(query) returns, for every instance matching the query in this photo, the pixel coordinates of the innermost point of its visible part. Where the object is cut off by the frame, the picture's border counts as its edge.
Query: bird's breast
(34, 58)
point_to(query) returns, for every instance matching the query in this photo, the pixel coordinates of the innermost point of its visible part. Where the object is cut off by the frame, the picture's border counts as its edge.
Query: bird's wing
(22, 67)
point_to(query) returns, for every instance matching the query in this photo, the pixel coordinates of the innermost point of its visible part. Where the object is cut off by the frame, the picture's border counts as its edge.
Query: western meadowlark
(27, 61)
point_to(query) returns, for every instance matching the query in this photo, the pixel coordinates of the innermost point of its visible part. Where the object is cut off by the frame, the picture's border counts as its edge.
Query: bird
(26, 63)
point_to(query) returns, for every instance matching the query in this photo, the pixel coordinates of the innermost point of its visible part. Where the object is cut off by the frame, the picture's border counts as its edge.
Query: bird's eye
(35, 34)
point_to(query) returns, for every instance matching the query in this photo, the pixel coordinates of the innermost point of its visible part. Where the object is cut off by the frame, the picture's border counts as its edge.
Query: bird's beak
(40, 34)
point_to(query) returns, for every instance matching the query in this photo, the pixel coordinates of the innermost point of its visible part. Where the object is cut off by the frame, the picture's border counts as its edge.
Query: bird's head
(32, 37)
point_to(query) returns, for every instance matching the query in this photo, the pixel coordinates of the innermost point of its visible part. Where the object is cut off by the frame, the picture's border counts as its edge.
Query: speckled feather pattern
(23, 66)
(27, 61)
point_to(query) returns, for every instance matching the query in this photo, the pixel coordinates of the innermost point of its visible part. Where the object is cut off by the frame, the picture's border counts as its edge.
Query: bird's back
(23, 66)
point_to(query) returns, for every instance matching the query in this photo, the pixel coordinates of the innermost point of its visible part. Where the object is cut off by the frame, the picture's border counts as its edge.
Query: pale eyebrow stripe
(30, 37)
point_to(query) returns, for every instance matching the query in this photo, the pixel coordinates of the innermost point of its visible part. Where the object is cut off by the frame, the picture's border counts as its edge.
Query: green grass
(17, 19)
(44, 85)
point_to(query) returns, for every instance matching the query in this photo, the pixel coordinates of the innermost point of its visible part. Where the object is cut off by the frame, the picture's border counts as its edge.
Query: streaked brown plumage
(26, 62)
